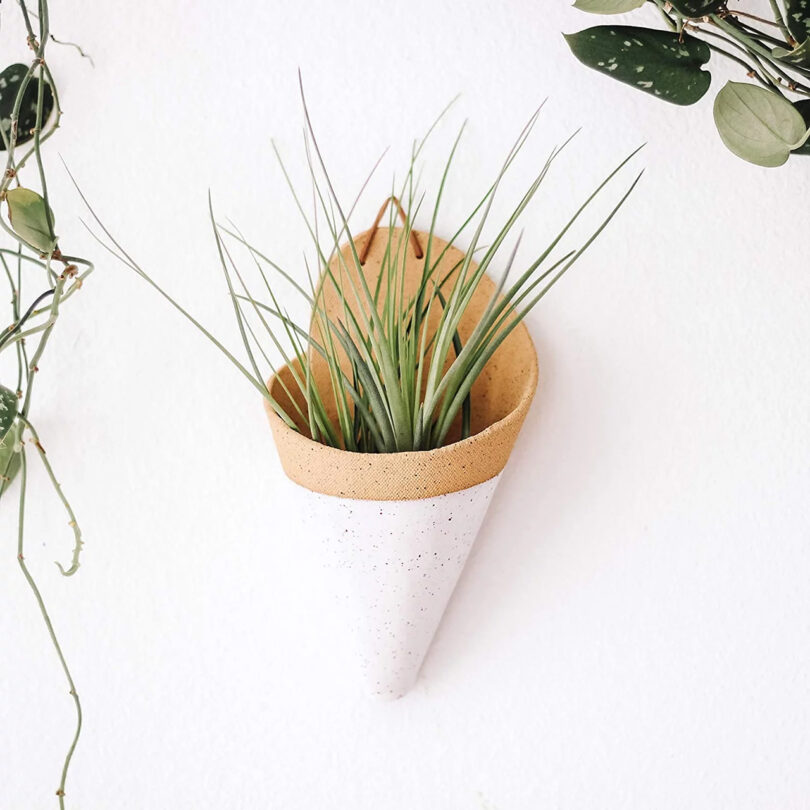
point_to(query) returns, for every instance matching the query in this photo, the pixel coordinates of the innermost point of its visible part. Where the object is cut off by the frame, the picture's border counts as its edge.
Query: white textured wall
(632, 629)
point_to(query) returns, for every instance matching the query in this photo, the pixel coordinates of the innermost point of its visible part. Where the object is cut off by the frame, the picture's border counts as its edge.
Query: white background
(633, 629)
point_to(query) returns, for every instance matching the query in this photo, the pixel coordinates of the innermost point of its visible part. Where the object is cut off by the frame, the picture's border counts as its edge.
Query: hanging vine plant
(41, 279)
(764, 120)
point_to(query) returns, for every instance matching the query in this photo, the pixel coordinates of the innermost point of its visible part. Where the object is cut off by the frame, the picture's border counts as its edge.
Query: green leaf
(8, 410)
(697, 8)
(608, 6)
(803, 107)
(10, 82)
(9, 436)
(800, 55)
(758, 125)
(9, 456)
(26, 213)
(656, 62)
(798, 18)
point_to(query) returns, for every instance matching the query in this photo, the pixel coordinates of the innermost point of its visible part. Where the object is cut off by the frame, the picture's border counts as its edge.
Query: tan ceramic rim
(416, 474)
(400, 476)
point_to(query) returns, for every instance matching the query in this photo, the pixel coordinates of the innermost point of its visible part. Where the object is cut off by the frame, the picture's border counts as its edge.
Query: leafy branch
(30, 114)
(764, 123)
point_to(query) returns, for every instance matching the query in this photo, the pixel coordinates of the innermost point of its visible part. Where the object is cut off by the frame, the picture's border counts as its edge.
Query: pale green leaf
(608, 6)
(758, 125)
(28, 216)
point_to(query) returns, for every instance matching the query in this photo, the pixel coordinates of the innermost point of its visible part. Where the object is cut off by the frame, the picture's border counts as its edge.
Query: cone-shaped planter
(395, 529)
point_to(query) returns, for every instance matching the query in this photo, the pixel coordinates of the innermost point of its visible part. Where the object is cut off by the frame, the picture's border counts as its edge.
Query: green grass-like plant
(393, 387)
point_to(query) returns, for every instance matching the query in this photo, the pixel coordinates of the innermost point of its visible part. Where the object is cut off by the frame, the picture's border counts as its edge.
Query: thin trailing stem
(60, 791)
(72, 522)
(33, 323)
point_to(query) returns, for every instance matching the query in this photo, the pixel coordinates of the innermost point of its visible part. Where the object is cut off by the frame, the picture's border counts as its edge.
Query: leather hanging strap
(417, 248)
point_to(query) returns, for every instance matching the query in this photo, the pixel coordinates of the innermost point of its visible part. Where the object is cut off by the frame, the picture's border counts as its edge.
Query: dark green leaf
(8, 410)
(803, 107)
(656, 62)
(697, 8)
(10, 81)
(798, 18)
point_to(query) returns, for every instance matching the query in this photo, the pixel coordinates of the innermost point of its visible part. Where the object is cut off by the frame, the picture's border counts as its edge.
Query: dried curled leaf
(28, 215)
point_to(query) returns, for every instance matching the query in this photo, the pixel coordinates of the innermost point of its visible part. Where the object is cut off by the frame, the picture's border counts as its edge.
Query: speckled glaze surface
(393, 566)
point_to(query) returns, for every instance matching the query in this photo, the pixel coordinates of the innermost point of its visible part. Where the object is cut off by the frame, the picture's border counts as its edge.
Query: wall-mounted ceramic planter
(395, 529)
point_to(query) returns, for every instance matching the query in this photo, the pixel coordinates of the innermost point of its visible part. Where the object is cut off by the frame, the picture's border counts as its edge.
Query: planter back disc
(395, 529)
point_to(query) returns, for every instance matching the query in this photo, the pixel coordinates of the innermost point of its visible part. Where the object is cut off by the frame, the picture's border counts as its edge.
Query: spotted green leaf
(10, 82)
(757, 125)
(608, 6)
(657, 62)
(9, 457)
(800, 55)
(8, 409)
(26, 213)
(697, 8)
(798, 18)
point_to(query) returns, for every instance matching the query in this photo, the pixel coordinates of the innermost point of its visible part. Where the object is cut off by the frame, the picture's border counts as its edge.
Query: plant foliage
(758, 122)
(660, 63)
(393, 386)
(41, 279)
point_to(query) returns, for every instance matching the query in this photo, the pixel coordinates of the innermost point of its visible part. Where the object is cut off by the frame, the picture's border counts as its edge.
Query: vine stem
(780, 21)
(73, 523)
(737, 13)
(739, 39)
(59, 287)
(60, 792)
(46, 330)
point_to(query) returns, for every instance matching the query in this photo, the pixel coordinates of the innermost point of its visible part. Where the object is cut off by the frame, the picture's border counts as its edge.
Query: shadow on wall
(551, 468)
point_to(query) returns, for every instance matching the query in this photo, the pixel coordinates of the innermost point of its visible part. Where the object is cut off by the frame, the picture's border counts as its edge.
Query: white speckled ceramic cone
(395, 529)
(392, 566)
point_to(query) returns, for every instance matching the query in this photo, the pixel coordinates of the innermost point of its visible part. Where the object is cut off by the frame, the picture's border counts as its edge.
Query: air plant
(763, 123)
(41, 280)
(394, 385)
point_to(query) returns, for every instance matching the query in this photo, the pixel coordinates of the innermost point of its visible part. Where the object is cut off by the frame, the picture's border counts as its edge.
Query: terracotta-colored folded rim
(511, 375)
